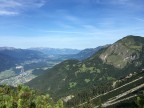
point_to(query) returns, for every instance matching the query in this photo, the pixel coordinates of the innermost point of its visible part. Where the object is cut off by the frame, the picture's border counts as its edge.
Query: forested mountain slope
(98, 72)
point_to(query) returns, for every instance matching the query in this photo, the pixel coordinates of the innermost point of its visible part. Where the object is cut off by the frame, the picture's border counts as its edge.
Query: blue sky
(68, 23)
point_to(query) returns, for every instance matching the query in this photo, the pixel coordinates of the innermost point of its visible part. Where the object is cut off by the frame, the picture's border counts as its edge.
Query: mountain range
(9, 56)
(33, 62)
(64, 54)
(109, 76)
(56, 51)
(86, 53)
(98, 73)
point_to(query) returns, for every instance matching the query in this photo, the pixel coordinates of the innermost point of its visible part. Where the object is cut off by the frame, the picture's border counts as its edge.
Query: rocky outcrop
(120, 54)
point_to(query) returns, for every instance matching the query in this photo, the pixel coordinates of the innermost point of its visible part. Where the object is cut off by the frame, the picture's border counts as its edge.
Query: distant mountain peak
(56, 51)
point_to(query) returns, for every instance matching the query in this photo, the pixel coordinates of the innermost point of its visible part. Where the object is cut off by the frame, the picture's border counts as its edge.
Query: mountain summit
(124, 52)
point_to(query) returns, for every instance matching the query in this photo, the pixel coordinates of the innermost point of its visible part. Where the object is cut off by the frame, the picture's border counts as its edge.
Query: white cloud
(32, 3)
(9, 4)
(130, 3)
(139, 19)
(6, 12)
(14, 7)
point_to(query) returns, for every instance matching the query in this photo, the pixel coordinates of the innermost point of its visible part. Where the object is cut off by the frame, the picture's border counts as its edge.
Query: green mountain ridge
(98, 72)
(123, 52)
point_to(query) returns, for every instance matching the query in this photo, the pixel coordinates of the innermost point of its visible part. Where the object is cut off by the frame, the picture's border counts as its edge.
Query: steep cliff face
(124, 52)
